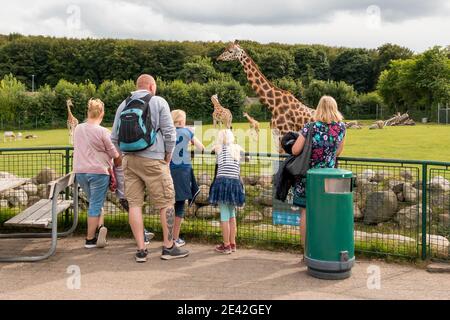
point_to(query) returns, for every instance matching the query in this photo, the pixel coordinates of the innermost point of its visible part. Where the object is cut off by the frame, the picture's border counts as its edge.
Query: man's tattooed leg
(170, 218)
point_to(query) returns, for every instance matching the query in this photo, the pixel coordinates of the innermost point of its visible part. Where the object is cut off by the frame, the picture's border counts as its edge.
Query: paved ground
(111, 273)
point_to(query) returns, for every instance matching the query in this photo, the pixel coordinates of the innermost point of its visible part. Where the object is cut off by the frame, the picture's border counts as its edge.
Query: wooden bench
(44, 215)
(39, 215)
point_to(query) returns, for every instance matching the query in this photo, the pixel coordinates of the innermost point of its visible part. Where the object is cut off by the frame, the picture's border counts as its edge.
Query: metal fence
(401, 207)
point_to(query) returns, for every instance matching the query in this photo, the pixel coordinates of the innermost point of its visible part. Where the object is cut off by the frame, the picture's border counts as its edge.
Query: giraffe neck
(263, 87)
(70, 115)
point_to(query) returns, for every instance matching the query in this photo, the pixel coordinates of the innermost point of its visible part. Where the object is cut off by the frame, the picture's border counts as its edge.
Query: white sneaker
(179, 242)
(101, 237)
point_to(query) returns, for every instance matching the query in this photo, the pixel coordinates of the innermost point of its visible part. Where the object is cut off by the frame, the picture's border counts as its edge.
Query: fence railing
(401, 207)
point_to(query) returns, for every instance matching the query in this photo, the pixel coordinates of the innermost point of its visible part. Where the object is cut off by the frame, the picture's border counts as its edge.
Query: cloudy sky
(417, 24)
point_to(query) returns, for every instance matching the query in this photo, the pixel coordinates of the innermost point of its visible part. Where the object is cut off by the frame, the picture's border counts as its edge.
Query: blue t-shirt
(181, 155)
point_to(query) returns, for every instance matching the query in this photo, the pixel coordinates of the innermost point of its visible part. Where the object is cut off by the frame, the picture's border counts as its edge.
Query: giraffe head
(232, 52)
(245, 114)
(215, 101)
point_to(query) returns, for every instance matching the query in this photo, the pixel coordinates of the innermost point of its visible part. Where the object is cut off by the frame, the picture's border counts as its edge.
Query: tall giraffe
(221, 115)
(288, 113)
(72, 122)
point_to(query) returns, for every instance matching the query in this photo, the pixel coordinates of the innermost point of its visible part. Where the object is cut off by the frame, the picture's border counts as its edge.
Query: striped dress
(227, 187)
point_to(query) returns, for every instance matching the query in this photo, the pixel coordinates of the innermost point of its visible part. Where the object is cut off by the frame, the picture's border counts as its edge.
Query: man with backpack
(144, 131)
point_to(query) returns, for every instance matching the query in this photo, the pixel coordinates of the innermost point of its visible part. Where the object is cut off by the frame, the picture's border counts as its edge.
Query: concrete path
(111, 273)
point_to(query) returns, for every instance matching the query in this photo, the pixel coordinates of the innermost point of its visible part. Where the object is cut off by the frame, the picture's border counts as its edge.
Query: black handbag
(300, 165)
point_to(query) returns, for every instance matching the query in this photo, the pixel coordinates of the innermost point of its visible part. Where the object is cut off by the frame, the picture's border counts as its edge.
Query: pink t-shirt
(93, 149)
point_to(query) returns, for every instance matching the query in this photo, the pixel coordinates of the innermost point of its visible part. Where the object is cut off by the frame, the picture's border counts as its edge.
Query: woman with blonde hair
(328, 133)
(92, 161)
(227, 190)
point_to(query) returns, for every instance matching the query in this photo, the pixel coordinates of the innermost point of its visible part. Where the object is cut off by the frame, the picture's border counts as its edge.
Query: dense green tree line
(52, 59)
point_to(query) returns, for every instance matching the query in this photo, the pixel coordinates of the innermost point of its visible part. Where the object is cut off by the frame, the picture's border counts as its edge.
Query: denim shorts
(95, 186)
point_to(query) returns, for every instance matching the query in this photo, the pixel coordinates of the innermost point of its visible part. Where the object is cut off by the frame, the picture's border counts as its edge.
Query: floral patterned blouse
(326, 139)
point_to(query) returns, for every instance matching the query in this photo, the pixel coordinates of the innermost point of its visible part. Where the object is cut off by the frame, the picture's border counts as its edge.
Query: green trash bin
(330, 248)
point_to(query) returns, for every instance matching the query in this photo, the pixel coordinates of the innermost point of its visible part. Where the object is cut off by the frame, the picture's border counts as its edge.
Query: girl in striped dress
(227, 190)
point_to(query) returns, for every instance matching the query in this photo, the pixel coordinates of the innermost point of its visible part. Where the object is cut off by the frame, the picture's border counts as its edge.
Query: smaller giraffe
(253, 124)
(72, 122)
(221, 115)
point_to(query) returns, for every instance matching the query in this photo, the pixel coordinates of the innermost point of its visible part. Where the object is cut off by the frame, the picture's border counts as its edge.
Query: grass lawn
(420, 142)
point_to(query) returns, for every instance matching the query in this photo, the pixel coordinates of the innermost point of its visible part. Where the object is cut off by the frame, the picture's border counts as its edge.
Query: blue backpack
(135, 129)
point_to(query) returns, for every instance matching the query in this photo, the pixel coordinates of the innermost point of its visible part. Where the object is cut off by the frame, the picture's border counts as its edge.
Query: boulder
(400, 197)
(380, 237)
(204, 179)
(410, 193)
(253, 216)
(43, 192)
(439, 183)
(410, 217)
(406, 174)
(267, 212)
(251, 180)
(380, 176)
(357, 214)
(265, 198)
(18, 198)
(202, 198)
(7, 175)
(380, 206)
(110, 208)
(396, 185)
(368, 174)
(417, 184)
(190, 211)
(208, 212)
(46, 175)
(265, 180)
(439, 245)
(30, 189)
(32, 200)
(4, 203)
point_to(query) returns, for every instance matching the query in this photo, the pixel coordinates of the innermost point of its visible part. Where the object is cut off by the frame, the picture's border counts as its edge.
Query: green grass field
(420, 142)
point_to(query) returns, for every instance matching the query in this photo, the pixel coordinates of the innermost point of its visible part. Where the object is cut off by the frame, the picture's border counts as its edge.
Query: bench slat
(39, 215)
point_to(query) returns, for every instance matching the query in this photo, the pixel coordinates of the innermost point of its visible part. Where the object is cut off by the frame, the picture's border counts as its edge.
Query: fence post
(67, 170)
(424, 210)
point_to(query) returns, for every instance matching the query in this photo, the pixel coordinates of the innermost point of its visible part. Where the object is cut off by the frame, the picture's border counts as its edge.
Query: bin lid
(330, 173)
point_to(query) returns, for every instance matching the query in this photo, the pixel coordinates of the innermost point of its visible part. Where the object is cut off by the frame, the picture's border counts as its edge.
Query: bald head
(146, 82)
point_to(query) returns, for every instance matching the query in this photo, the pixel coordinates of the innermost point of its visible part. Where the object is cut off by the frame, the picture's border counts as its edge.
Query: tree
(343, 93)
(388, 52)
(355, 67)
(276, 63)
(198, 69)
(311, 64)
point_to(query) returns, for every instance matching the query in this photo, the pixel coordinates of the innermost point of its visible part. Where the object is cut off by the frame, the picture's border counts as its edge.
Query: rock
(380, 176)
(7, 175)
(439, 244)
(265, 198)
(30, 189)
(406, 174)
(380, 237)
(46, 175)
(110, 208)
(32, 200)
(411, 194)
(396, 186)
(253, 216)
(4, 203)
(190, 211)
(440, 183)
(43, 192)
(417, 184)
(204, 179)
(368, 174)
(18, 198)
(410, 217)
(202, 198)
(266, 228)
(250, 180)
(444, 219)
(265, 180)
(400, 197)
(357, 214)
(380, 206)
(207, 212)
(267, 212)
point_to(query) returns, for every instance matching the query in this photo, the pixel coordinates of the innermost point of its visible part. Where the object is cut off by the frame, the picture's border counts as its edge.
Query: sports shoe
(124, 204)
(101, 237)
(148, 236)
(233, 247)
(179, 242)
(222, 248)
(141, 256)
(173, 253)
(89, 244)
